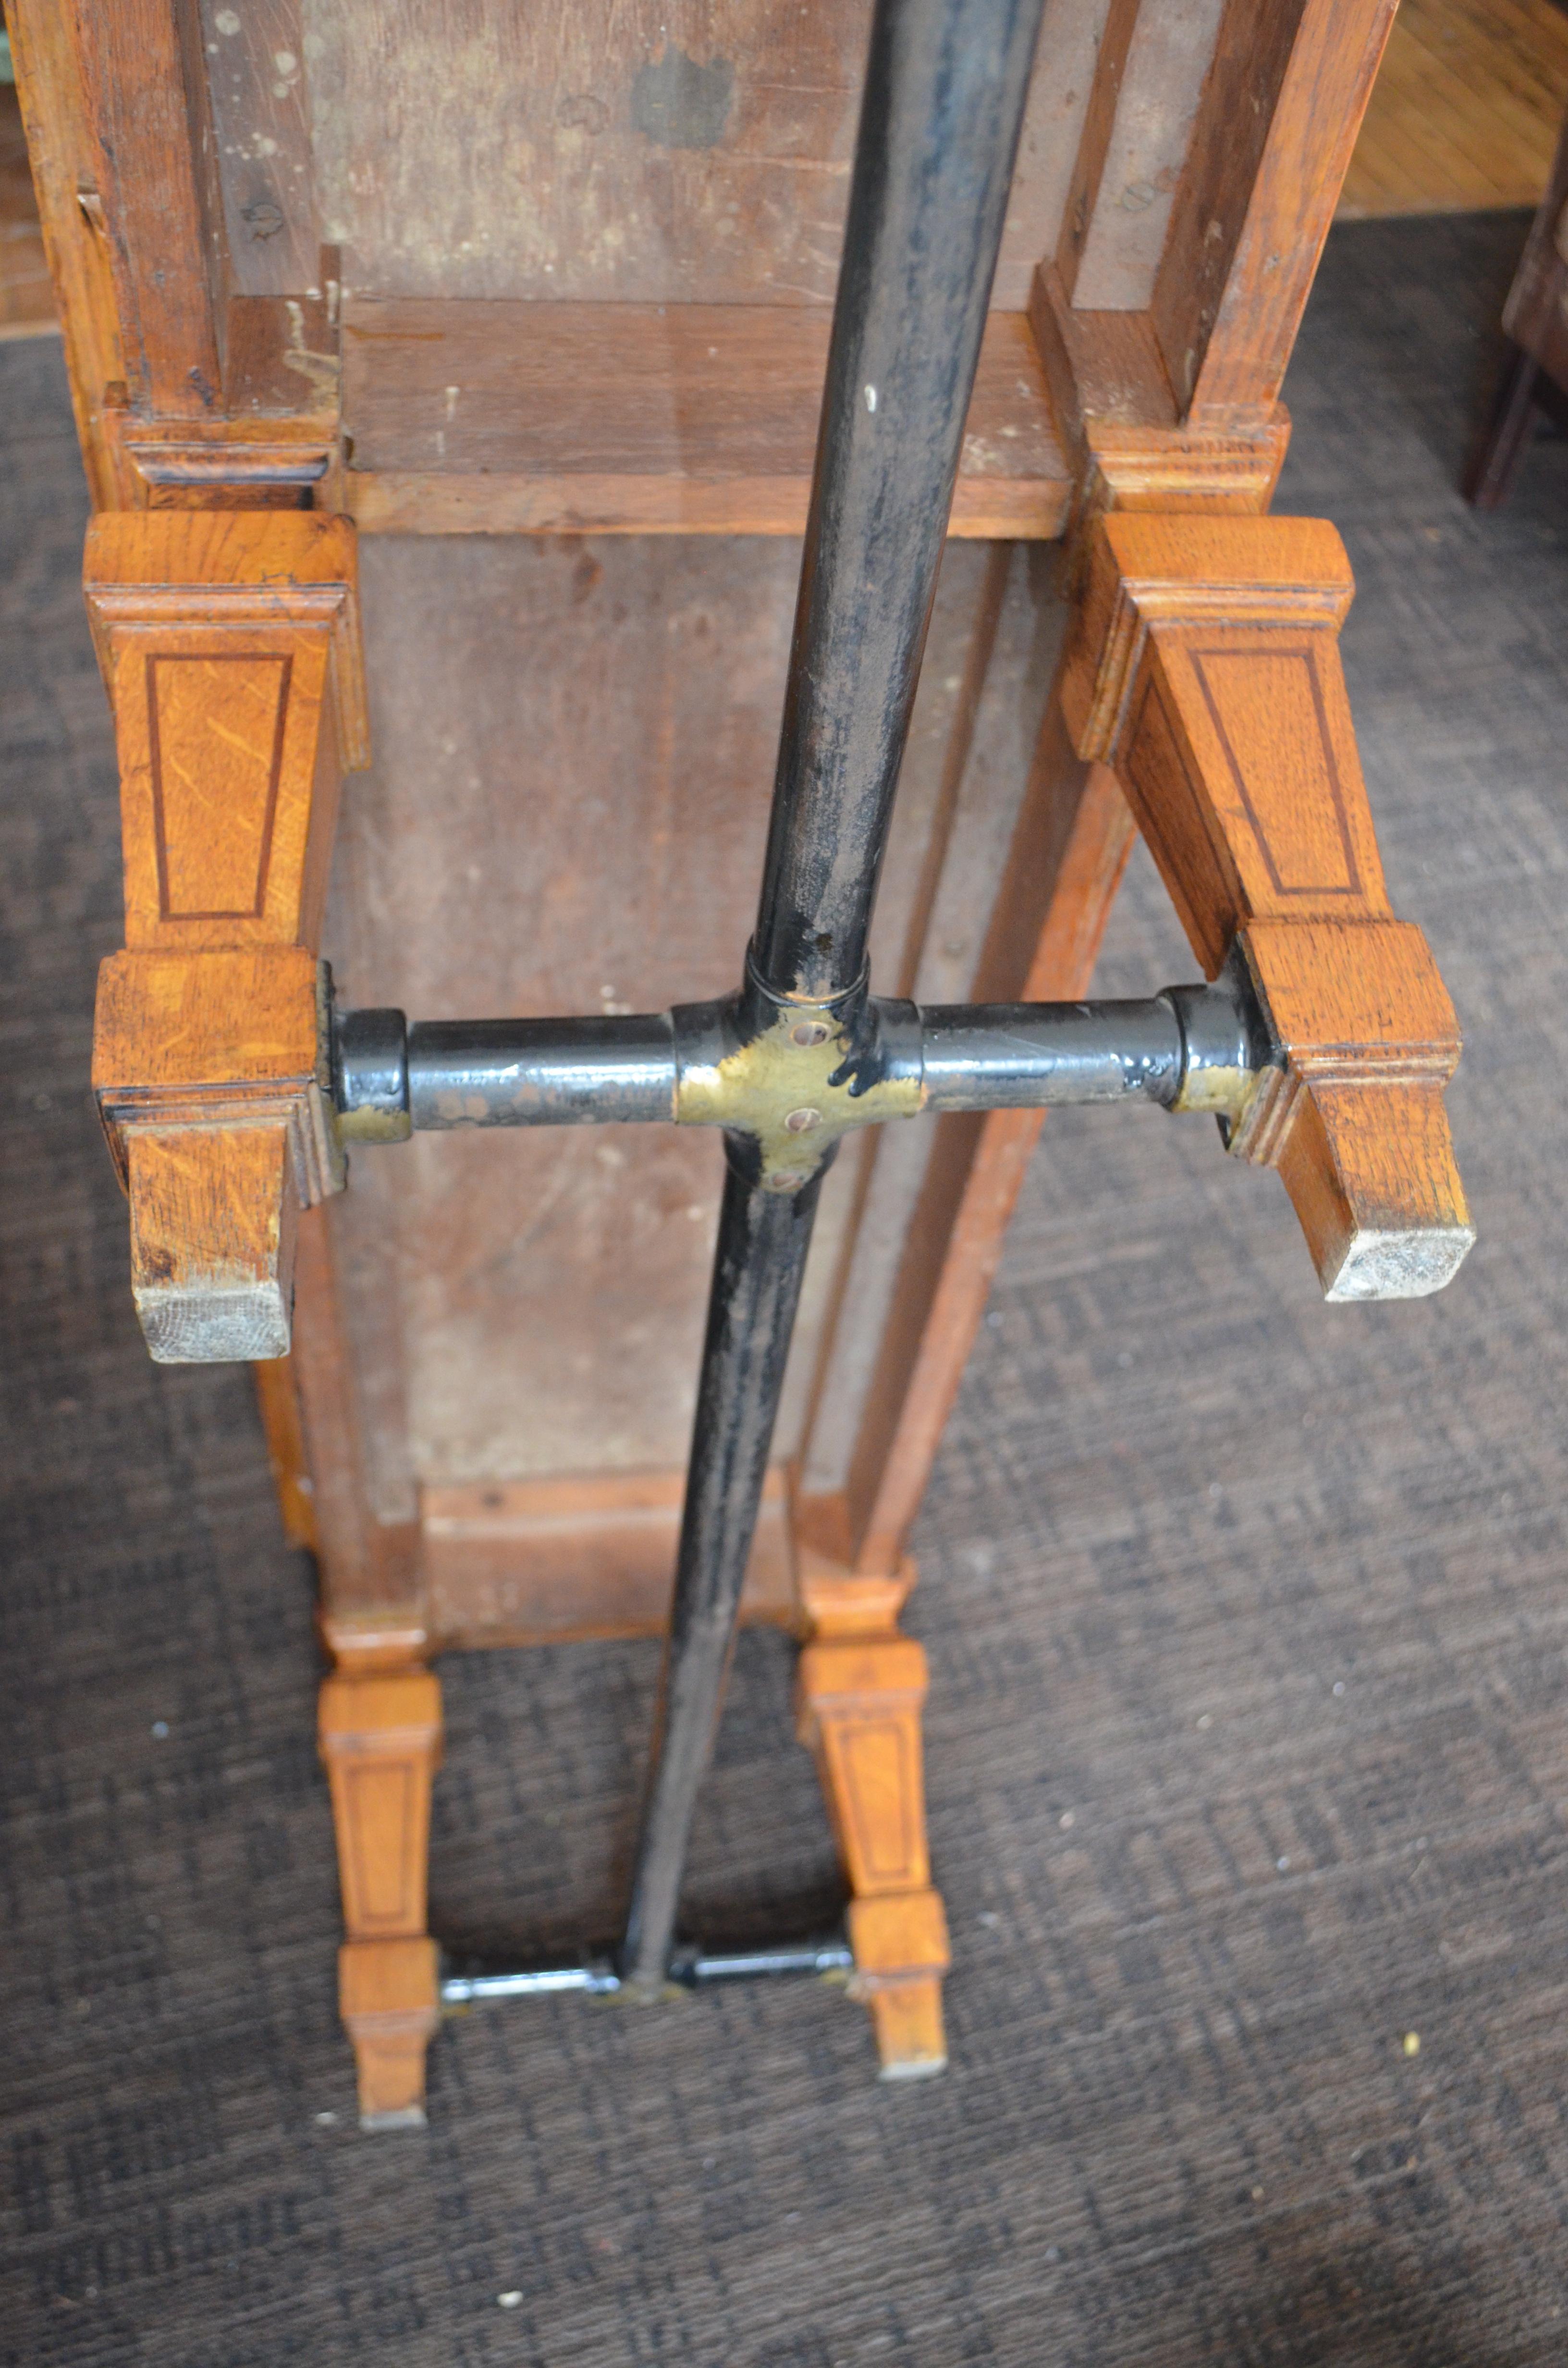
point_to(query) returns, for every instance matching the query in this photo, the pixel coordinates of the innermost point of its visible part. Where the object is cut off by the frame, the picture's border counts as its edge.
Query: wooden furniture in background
(1532, 382)
(510, 346)
(26, 299)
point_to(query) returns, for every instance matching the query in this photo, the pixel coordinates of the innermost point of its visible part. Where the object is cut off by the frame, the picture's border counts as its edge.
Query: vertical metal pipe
(945, 83)
(758, 1266)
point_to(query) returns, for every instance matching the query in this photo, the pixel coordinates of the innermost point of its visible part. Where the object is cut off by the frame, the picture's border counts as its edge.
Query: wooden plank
(1121, 21)
(150, 135)
(64, 164)
(628, 150)
(1167, 62)
(467, 418)
(595, 845)
(1069, 851)
(255, 75)
(1274, 137)
(1028, 874)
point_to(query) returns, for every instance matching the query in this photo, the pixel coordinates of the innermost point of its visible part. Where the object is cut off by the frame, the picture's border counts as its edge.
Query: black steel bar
(971, 1057)
(540, 1072)
(946, 82)
(1026, 1056)
(760, 1259)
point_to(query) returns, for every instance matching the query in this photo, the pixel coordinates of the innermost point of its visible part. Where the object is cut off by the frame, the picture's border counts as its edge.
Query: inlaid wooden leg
(229, 641)
(861, 1689)
(1204, 667)
(380, 1738)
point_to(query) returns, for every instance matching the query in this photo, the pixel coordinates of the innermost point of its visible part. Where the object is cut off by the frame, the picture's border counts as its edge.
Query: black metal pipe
(945, 83)
(1027, 1055)
(971, 1057)
(761, 1256)
(540, 1072)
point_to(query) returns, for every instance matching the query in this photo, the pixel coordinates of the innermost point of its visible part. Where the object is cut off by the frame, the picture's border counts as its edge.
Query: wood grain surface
(229, 643)
(381, 1740)
(859, 1689)
(702, 417)
(1205, 668)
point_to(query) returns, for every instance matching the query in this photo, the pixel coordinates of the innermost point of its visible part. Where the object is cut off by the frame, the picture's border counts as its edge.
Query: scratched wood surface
(646, 152)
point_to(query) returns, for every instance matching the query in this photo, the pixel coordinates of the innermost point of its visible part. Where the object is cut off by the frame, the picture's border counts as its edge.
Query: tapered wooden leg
(230, 643)
(380, 1738)
(861, 1689)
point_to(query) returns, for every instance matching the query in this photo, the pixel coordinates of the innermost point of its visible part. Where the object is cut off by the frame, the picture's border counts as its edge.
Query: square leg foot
(391, 2004)
(901, 1953)
(907, 2019)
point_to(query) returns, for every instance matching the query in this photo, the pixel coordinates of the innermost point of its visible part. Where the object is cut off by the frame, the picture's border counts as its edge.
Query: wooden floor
(1466, 111)
(1465, 116)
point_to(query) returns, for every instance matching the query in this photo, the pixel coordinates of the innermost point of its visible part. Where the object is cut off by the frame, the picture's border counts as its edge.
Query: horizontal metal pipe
(475, 1988)
(458, 1073)
(697, 1968)
(540, 1072)
(1025, 1055)
(690, 1968)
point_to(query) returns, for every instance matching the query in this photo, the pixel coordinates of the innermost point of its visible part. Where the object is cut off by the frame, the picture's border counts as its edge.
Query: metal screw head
(810, 1032)
(801, 1121)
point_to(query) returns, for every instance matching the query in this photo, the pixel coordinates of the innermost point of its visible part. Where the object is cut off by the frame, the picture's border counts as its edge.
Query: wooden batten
(64, 169)
(645, 419)
(1275, 134)
(147, 108)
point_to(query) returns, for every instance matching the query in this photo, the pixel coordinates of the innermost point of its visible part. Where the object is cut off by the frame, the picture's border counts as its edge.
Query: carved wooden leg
(1204, 667)
(380, 1737)
(860, 1688)
(229, 641)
